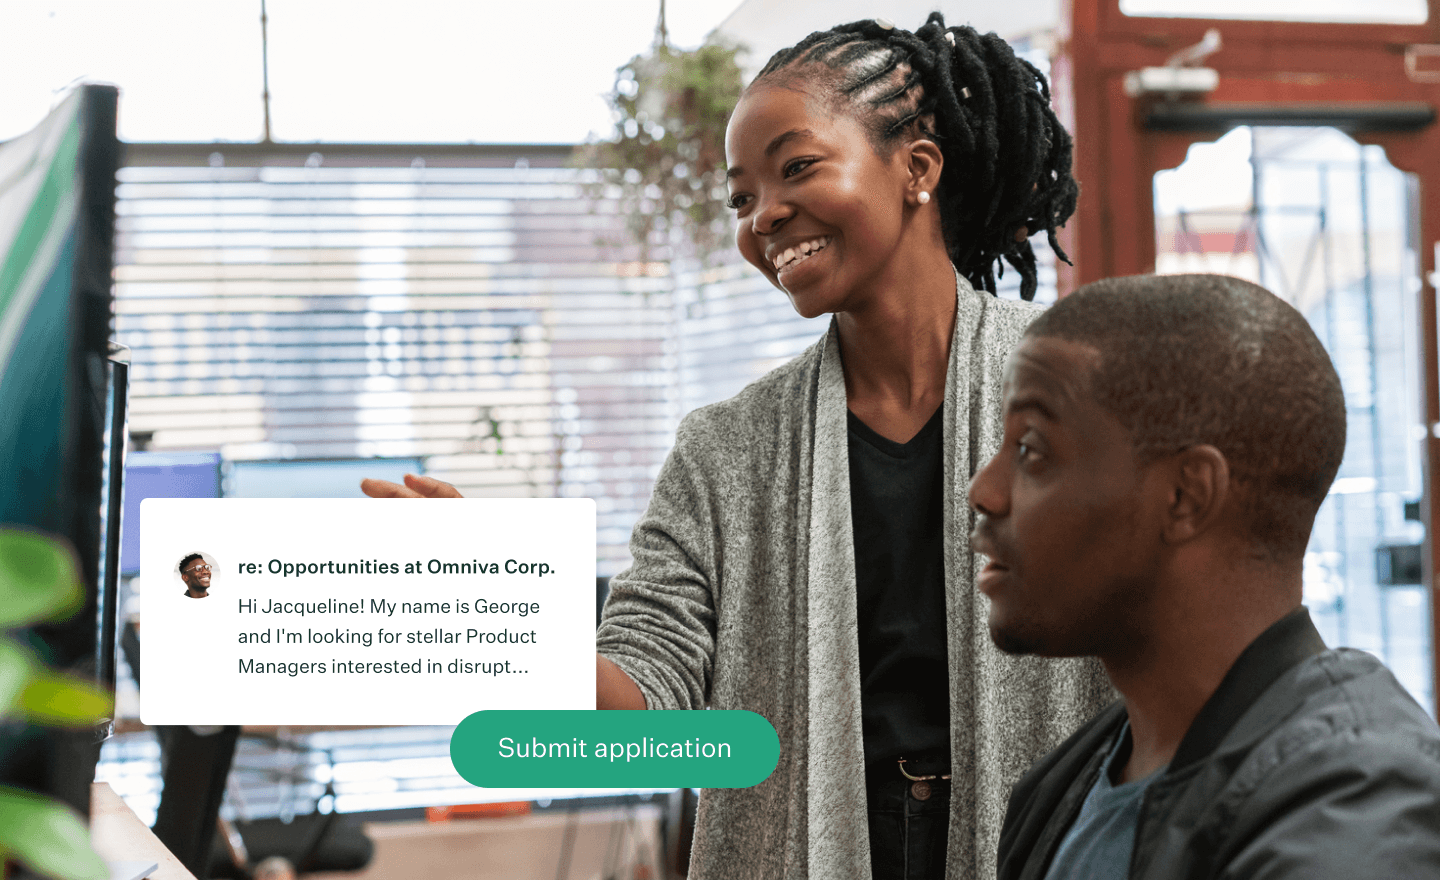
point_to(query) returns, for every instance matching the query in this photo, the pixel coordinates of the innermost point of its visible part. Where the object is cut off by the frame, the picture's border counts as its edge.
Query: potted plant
(665, 160)
(39, 581)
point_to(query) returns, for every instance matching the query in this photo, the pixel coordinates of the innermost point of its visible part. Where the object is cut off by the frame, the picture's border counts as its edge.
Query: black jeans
(907, 834)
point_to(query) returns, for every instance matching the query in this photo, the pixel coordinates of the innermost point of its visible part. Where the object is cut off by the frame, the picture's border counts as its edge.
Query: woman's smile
(787, 256)
(789, 260)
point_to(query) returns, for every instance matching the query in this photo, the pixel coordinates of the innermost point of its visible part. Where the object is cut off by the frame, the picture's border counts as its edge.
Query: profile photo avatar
(195, 571)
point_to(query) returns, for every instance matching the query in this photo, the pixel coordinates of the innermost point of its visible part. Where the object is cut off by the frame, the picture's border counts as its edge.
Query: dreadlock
(1007, 158)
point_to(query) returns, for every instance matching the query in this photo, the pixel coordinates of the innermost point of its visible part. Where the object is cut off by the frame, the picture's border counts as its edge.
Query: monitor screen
(322, 478)
(57, 221)
(162, 475)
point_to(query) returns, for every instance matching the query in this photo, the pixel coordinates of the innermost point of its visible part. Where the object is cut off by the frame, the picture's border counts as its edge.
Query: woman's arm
(659, 623)
(613, 688)
(673, 625)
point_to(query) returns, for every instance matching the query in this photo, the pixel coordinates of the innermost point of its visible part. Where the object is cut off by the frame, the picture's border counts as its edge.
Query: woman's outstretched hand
(415, 487)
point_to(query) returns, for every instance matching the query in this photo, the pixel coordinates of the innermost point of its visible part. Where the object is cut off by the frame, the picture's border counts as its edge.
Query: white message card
(364, 611)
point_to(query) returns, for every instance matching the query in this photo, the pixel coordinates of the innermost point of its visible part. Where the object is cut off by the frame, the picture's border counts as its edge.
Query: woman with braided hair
(805, 551)
(969, 94)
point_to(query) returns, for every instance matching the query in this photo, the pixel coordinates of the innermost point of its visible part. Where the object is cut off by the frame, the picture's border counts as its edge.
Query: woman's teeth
(800, 251)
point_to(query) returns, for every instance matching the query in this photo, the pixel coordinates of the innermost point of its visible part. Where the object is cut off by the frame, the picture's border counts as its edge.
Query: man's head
(1143, 416)
(195, 572)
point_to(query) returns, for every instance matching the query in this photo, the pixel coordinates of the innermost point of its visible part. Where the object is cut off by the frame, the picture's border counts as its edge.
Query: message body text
(358, 611)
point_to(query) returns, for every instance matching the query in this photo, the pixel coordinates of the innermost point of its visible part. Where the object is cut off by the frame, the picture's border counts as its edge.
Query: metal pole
(265, 66)
(1368, 288)
(1327, 269)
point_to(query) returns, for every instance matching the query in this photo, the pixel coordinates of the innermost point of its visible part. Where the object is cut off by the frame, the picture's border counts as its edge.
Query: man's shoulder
(1337, 710)
(1354, 713)
(1336, 736)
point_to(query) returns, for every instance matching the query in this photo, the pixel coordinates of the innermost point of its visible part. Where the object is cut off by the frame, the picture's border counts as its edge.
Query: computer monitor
(57, 220)
(312, 478)
(162, 475)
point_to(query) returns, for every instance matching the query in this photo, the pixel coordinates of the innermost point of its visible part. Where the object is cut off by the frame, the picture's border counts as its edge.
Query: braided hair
(1007, 157)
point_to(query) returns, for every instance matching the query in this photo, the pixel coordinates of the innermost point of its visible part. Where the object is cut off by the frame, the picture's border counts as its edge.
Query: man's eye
(795, 166)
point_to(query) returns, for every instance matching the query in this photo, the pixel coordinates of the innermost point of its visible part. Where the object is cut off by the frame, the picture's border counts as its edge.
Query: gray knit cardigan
(742, 596)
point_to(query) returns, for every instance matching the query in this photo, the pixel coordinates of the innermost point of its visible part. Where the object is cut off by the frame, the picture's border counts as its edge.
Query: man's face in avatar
(196, 575)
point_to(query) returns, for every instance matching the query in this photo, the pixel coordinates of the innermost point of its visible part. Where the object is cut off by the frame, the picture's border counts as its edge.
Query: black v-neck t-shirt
(895, 510)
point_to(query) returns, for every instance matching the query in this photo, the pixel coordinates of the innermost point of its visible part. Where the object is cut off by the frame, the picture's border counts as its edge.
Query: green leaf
(38, 578)
(53, 699)
(15, 673)
(34, 694)
(48, 837)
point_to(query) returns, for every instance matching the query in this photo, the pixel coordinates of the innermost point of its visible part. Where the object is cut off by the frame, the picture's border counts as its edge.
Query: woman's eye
(736, 202)
(795, 166)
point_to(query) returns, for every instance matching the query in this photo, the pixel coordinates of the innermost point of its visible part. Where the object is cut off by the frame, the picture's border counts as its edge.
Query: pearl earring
(923, 198)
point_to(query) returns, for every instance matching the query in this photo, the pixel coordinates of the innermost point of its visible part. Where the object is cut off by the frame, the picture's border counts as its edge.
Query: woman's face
(821, 212)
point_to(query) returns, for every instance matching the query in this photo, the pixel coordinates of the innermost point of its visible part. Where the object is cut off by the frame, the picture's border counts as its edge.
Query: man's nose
(990, 490)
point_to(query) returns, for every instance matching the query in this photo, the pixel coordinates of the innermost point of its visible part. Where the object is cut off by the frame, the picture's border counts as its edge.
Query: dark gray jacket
(1305, 763)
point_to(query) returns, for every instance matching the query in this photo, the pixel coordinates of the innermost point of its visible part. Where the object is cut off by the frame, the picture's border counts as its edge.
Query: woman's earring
(923, 198)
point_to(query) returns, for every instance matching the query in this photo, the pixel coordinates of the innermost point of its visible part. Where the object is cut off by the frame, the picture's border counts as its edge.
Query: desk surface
(120, 836)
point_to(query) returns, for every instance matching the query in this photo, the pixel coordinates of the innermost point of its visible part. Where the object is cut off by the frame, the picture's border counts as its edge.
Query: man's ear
(1199, 483)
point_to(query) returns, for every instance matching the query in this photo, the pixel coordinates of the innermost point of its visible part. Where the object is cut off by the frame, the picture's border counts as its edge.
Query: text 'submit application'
(363, 611)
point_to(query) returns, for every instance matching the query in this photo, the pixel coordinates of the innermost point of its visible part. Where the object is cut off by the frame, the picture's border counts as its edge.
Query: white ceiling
(767, 26)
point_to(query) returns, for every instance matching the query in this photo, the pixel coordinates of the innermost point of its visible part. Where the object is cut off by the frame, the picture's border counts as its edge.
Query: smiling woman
(804, 555)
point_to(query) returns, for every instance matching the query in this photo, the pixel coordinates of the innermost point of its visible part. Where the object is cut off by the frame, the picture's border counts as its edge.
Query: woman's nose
(770, 217)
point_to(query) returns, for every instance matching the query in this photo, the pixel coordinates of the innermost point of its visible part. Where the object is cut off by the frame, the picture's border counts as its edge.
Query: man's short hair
(1209, 359)
(189, 559)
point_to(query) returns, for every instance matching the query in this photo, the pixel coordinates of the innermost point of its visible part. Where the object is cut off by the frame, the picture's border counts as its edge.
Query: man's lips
(995, 570)
(984, 543)
(991, 577)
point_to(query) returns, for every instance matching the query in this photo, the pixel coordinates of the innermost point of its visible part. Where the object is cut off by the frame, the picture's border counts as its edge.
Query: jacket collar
(1278, 649)
(1044, 804)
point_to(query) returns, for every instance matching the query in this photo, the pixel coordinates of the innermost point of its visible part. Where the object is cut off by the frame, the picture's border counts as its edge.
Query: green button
(704, 748)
